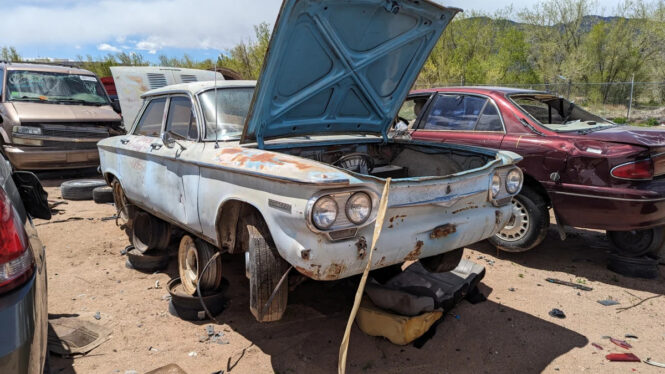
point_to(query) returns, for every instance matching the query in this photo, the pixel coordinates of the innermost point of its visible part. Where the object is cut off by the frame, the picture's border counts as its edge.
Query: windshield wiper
(28, 98)
(77, 101)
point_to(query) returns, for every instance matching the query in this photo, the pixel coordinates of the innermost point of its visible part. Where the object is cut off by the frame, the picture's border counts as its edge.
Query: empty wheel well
(533, 184)
(109, 178)
(228, 219)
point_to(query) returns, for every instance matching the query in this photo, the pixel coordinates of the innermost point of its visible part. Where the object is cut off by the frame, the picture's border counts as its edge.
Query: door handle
(124, 141)
(155, 146)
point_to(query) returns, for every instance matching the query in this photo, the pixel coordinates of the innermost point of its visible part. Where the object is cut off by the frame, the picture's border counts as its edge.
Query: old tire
(637, 243)
(635, 267)
(528, 224)
(443, 262)
(147, 262)
(189, 307)
(126, 211)
(102, 195)
(266, 267)
(150, 232)
(80, 189)
(193, 255)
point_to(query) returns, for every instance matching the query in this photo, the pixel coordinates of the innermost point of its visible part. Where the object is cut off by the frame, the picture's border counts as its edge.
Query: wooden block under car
(400, 330)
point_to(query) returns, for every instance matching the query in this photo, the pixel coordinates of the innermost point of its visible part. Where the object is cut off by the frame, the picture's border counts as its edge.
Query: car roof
(196, 87)
(482, 89)
(46, 68)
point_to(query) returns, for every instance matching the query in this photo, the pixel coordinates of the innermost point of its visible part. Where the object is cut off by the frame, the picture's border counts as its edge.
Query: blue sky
(200, 28)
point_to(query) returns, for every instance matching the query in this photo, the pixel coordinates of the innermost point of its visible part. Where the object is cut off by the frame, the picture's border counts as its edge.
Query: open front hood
(341, 66)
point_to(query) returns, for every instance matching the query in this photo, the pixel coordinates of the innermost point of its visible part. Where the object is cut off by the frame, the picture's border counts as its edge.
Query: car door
(174, 175)
(462, 119)
(133, 152)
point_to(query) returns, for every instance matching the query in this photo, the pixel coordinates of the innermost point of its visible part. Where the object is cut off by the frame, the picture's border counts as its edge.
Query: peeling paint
(305, 272)
(497, 217)
(443, 231)
(415, 254)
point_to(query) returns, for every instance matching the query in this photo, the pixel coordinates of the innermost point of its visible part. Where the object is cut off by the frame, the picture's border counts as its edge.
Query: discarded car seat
(416, 290)
(398, 329)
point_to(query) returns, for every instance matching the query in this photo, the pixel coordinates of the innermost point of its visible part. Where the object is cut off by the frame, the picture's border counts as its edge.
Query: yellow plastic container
(400, 330)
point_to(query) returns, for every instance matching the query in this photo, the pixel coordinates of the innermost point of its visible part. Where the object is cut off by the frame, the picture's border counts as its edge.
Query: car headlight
(513, 181)
(324, 212)
(495, 187)
(358, 208)
(27, 130)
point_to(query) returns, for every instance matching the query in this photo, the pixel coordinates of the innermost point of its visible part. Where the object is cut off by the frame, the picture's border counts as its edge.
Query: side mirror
(34, 198)
(167, 139)
(115, 104)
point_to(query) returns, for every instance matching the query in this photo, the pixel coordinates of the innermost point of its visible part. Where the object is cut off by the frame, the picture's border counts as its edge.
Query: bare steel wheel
(518, 225)
(527, 226)
(193, 255)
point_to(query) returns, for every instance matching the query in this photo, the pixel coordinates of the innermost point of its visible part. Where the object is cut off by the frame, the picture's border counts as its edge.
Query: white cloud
(191, 24)
(108, 48)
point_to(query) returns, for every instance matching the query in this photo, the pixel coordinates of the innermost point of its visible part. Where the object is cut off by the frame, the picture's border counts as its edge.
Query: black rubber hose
(198, 288)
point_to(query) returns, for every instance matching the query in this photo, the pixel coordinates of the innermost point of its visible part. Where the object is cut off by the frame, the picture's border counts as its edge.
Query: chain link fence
(640, 103)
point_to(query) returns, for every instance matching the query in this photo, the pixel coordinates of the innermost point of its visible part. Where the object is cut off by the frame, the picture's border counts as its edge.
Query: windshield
(232, 108)
(59, 88)
(558, 114)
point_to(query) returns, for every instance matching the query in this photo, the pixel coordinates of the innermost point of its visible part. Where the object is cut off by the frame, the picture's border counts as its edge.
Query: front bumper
(36, 158)
(608, 208)
(408, 233)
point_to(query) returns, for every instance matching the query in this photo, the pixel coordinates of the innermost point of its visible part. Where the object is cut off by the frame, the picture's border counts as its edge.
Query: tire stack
(200, 269)
(637, 252)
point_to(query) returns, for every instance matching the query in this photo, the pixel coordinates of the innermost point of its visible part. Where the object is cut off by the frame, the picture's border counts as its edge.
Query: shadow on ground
(307, 339)
(582, 255)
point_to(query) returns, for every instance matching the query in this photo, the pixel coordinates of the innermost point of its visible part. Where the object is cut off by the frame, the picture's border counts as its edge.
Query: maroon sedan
(594, 173)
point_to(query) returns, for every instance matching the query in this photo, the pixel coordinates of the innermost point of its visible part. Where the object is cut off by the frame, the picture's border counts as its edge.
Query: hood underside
(341, 66)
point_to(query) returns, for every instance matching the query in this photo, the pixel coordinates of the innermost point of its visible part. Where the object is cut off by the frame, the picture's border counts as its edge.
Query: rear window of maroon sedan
(463, 113)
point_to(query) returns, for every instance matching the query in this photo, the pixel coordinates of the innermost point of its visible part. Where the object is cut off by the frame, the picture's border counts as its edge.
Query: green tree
(247, 57)
(9, 54)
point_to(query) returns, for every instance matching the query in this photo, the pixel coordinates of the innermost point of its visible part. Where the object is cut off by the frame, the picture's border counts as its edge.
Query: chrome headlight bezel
(367, 206)
(514, 180)
(331, 206)
(495, 185)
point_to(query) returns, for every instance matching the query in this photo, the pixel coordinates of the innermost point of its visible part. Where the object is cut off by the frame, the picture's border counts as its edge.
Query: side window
(2, 80)
(490, 119)
(181, 120)
(411, 109)
(454, 112)
(150, 123)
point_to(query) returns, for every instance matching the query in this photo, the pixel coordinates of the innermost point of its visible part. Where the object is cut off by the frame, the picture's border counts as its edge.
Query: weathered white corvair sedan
(290, 170)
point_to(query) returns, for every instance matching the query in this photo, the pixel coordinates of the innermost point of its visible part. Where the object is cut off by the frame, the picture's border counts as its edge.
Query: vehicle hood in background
(42, 112)
(341, 66)
(650, 137)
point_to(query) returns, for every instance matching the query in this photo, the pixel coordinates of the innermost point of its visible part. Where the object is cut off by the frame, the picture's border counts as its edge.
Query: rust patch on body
(382, 261)
(305, 272)
(443, 231)
(498, 216)
(334, 271)
(361, 245)
(305, 254)
(448, 190)
(415, 254)
(465, 208)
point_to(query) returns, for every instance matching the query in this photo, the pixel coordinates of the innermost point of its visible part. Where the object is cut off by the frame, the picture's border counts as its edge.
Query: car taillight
(637, 170)
(16, 261)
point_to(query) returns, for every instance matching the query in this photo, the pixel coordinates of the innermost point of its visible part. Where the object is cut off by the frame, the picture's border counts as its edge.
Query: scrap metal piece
(608, 302)
(654, 363)
(569, 284)
(621, 343)
(623, 357)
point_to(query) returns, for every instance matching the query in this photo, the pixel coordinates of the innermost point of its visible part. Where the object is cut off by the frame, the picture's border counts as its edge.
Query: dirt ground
(509, 333)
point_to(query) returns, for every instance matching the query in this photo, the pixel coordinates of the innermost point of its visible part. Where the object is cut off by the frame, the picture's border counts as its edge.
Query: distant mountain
(588, 22)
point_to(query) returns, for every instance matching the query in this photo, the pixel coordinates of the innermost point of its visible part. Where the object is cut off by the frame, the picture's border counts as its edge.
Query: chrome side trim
(608, 197)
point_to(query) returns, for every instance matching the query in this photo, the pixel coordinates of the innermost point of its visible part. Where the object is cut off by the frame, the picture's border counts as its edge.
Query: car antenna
(216, 123)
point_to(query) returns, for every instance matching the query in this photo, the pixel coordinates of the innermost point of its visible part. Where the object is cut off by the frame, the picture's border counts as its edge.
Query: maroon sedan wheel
(636, 243)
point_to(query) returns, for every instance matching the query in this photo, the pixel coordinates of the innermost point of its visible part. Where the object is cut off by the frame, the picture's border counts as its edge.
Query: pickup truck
(289, 170)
